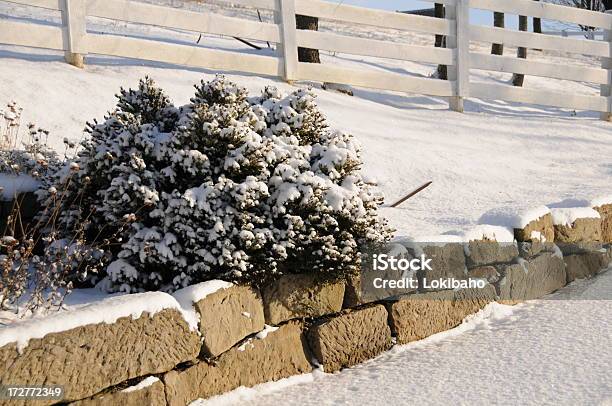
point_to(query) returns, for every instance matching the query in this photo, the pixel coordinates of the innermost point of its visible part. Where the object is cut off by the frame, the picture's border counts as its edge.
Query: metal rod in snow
(248, 43)
(409, 195)
(239, 39)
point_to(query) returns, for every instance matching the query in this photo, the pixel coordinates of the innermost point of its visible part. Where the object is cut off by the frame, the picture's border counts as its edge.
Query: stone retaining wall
(245, 337)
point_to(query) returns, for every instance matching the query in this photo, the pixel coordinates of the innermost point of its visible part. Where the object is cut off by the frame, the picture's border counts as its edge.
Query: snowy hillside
(495, 155)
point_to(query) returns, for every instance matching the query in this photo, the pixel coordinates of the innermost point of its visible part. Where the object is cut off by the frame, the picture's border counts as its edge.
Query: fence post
(606, 63)
(460, 72)
(73, 21)
(288, 39)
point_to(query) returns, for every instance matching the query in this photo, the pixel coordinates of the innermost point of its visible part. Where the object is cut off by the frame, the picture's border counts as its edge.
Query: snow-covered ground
(555, 351)
(495, 155)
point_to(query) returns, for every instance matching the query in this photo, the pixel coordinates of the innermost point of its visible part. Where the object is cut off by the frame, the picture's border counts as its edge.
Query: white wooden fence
(74, 38)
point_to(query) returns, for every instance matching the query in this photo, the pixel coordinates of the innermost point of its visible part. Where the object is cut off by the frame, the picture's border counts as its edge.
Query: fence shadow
(524, 110)
(493, 107)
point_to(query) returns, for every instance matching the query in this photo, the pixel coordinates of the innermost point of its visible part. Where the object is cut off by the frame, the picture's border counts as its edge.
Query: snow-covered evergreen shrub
(228, 186)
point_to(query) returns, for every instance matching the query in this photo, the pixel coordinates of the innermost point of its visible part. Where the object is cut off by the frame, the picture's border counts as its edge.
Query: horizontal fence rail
(39, 36)
(375, 79)
(183, 54)
(271, 5)
(368, 47)
(48, 4)
(378, 18)
(142, 13)
(545, 10)
(540, 41)
(543, 69)
(543, 97)
(73, 38)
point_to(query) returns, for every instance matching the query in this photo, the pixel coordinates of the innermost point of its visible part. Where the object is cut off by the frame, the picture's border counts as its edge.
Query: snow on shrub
(228, 186)
(25, 161)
